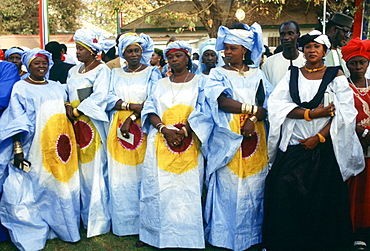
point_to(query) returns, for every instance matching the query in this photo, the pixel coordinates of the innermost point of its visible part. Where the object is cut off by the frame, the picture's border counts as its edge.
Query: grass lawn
(106, 242)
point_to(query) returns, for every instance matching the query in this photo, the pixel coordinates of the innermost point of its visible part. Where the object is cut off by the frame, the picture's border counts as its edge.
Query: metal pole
(324, 18)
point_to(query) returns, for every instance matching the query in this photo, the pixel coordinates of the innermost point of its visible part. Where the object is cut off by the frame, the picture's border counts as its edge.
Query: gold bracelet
(67, 104)
(123, 105)
(75, 112)
(321, 138)
(157, 125)
(253, 119)
(306, 115)
(255, 110)
(160, 128)
(128, 106)
(17, 147)
(133, 117)
(185, 131)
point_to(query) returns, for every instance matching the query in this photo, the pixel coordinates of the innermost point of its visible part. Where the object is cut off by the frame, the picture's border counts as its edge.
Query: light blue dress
(91, 135)
(45, 202)
(236, 167)
(172, 177)
(125, 160)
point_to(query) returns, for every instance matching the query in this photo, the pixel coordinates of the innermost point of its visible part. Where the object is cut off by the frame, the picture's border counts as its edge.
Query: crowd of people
(229, 149)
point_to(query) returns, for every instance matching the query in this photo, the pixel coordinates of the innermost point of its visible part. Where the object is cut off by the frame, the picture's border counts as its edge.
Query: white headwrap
(316, 36)
(145, 42)
(209, 44)
(93, 40)
(250, 38)
(177, 45)
(30, 55)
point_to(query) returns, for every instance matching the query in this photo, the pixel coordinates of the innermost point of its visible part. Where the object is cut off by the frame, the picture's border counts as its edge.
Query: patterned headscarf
(143, 41)
(177, 45)
(250, 38)
(13, 50)
(209, 44)
(92, 40)
(356, 47)
(314, 36)
(30, 55)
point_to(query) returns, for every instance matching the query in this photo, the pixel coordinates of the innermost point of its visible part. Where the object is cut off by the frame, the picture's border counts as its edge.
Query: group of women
(130, 151)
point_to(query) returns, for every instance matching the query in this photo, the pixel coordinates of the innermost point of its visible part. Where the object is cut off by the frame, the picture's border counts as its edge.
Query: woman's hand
(173, 137)
(310, 143)
(261, 113)
(248, 129)
(125, 128)
(322, 111)
(69, 112)
(136, 108)
(18, 160)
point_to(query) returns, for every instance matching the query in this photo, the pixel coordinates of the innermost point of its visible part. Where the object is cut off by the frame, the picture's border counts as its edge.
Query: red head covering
(2, 57)
(356, 47)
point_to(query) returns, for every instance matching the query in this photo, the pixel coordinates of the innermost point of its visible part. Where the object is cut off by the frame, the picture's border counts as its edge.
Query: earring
(243, 57)
(304, 56)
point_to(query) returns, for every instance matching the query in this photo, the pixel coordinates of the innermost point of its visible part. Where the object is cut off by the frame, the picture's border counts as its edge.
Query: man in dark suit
(59, 71)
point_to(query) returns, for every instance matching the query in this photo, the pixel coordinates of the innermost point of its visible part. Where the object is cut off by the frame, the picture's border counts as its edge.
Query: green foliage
(22, 17)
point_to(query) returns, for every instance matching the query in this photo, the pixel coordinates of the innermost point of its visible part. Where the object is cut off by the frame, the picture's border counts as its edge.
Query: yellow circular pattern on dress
(169, 160)
(244, 167)
(62, 170)
(116, 150)
(87, 153)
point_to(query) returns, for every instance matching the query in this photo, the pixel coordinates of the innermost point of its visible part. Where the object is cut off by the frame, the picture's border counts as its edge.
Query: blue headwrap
(182, 45)
(143, 41)
(250, 38)
(209, 44)
(92, 40)
(30, 55)
(13, 50)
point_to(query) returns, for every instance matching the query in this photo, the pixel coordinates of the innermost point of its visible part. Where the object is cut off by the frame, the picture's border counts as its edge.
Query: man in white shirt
(338, 30)
(277, 65)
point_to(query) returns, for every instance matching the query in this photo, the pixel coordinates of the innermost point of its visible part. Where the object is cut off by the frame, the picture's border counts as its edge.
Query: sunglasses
(346, 32)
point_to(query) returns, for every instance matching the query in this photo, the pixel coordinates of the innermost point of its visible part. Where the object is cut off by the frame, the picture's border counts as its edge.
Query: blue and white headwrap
(209, 44)
(30, 55)
(92, 40)
(180, 45)
(143, 41)
(13, 50)
(250, 38)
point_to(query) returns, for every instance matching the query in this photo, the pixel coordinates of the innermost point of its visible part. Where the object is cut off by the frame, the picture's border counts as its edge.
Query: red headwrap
(356, 47)
(2, 57)
(173, 50)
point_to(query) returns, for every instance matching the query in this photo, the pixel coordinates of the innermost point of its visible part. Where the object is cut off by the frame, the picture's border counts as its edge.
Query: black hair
(291, 22)
(55, 49)
(162, 62)
(247, 56)
(64, 47)
(109, 55)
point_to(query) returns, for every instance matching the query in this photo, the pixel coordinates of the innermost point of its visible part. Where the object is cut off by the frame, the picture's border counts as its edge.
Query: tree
(22, 17)
(103, 13)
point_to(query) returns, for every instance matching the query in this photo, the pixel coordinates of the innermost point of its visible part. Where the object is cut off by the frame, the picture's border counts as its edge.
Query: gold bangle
(17, 147)
(127, 106)
(123, 105)
(160, 128)
(133, 117)
(255, 110)
(306, 115)
(67, 104)
(321, 138)
(253, 119)
(157, 125)
(75, 112)
(185, 131)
